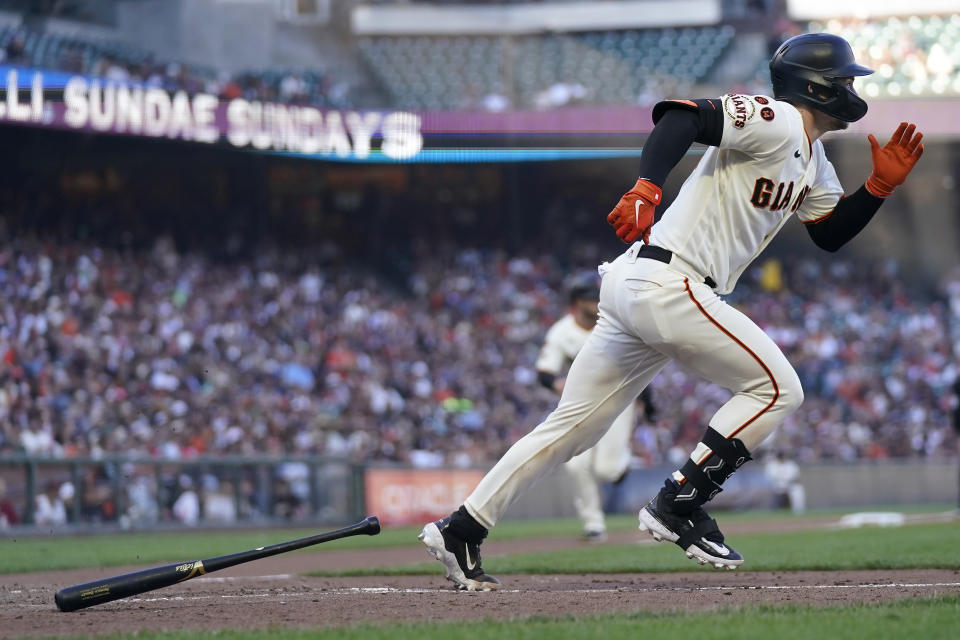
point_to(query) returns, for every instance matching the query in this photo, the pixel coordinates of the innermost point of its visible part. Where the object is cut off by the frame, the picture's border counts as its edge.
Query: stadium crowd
(174, 355)
(912, 55)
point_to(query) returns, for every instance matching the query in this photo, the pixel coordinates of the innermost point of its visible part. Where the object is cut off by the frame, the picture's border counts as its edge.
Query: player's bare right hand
(894, 160)
(633, 215)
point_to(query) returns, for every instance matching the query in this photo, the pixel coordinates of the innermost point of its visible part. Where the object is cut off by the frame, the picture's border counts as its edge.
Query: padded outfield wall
(860, 485)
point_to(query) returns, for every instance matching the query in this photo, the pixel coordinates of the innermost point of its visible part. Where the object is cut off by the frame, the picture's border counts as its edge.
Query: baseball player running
(607, 461)
(659, 300)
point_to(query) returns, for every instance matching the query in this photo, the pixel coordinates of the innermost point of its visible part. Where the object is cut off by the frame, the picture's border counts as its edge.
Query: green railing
(137, 492)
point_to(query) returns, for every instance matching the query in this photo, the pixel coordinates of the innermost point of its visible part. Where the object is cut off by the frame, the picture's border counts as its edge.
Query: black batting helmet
(586, 287)
(806, 67)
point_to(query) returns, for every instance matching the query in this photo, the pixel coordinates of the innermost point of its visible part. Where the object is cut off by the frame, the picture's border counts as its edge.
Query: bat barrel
(96, 592)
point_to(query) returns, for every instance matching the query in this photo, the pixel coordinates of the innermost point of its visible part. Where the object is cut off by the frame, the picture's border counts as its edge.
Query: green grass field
(883, 548)
(55, 552)
(932, 545)
(922, 546)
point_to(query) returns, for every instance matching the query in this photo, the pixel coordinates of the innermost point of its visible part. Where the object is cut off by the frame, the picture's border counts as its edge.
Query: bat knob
(373, 525)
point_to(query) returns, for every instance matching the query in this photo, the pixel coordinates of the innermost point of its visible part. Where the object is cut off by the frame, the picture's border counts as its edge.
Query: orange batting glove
(893, 161)
(633, 215)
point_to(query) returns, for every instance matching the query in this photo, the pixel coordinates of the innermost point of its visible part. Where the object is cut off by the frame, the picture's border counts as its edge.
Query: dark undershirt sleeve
(678, 124)
(546, 379)
(847, 219)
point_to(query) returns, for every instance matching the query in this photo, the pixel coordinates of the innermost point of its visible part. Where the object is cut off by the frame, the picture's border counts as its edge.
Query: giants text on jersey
(742, 192)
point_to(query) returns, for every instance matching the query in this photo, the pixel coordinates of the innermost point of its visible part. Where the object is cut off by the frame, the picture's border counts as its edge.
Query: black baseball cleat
(461, 559)
(696, 533)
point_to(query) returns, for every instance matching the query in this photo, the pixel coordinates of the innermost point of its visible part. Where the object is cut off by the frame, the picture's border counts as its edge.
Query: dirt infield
(284, 600)
(270, 593)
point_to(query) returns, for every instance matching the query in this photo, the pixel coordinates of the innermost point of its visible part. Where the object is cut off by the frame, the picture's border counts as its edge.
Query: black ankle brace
(702, 481)
(464, 526)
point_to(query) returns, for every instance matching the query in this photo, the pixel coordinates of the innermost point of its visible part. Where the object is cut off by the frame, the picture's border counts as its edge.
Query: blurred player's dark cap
(818, 61)
(587, 289)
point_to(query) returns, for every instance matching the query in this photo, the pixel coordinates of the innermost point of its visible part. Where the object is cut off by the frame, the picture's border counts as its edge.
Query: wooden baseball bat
(89, 594)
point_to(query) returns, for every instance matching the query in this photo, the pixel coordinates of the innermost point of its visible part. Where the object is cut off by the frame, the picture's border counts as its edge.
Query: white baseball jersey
(764, 170)
(652, 312)
(561, 345)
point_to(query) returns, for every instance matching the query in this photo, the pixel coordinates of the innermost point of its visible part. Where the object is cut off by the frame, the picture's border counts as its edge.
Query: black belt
(664, 255)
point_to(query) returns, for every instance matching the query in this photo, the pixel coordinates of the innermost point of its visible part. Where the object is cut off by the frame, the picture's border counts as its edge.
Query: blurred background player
(609, 459)
(784, 474)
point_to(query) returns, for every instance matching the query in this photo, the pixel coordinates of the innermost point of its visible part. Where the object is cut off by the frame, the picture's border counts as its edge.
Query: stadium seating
(913, 56)
(49, 50)
(117, 59)
(605, 67)
(438, 72)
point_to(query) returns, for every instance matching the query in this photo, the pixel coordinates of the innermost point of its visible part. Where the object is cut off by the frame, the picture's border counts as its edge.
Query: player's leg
(603, 379)
(585, 487)
(613, 451)
(608, 373)
(606, 461)
(606, 376)
(726, 347)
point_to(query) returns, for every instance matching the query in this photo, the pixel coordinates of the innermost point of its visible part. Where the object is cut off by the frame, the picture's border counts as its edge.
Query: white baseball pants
(650, 313)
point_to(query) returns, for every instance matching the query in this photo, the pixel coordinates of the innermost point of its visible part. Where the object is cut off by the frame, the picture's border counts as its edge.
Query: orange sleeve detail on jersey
(689, 102)
(824, 216)
(818, 219)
